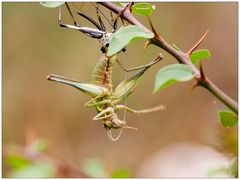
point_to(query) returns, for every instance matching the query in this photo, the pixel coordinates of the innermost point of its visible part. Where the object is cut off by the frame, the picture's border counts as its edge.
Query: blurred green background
(35, 46)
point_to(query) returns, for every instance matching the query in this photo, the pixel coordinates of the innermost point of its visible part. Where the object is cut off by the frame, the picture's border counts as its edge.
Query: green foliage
(94, 168)
(17, 161)
(196, 56)
(143, 8)
(124, 36)
(216, 172)
(171, 74)
(51, 4)
(228, 118)
(233, 169)
(175, 47)
(33, 170)
(28, 163)
(121, 173)
(123, 4)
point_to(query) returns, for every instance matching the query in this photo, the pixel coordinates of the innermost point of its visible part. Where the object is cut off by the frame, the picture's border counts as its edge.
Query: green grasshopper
(104, 99)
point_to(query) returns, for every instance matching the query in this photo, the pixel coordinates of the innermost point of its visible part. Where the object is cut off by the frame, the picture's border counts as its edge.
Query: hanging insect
(100, 33)
(104, 99)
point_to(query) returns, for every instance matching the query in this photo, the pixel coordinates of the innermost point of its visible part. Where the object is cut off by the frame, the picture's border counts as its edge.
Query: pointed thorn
(194, 86)
(153, 29)
(197, 44)
(148, 42)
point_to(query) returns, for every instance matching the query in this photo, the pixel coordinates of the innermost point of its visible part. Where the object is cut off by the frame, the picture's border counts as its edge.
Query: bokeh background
(35, 46)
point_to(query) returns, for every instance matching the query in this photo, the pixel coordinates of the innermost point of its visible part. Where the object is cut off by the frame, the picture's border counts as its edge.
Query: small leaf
(175, 47)
(17, 161)
(123, 4)
(171, 74)
(198, 55)
(121, 173)
(34, 170)
(228, 118)
(94, 168)
(143, 8)
(51, 4)
(125, 35)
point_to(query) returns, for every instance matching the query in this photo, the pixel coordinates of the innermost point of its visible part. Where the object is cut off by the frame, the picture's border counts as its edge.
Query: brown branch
(125, 15)
(180, 57)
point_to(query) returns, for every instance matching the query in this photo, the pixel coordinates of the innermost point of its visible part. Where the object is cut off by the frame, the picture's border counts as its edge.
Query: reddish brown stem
(180, 57)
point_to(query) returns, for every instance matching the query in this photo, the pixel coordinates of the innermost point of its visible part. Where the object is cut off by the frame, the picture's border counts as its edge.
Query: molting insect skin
(99, 33)
(104, 99)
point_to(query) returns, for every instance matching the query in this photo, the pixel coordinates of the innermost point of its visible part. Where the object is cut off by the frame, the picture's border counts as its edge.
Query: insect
(100, 33)
(104, 99)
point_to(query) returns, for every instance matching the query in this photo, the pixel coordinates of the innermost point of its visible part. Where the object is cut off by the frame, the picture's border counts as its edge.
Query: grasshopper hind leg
(156, 108)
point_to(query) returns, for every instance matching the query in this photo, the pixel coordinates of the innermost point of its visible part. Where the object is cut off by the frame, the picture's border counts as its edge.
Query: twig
(181, 57)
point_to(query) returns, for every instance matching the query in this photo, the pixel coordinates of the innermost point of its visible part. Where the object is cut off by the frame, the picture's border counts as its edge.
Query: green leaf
(94, 168)
(121, 173)
(123, 4)
(51, 4)
(233, 169)
(125, 35)
(175, 47)
(228, 118)
(171, 74)
(198, 55)
(17, 161)
(35, 170)
(143, 8)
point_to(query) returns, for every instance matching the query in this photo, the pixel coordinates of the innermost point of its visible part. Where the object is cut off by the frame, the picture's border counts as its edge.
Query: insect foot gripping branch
(104, 99)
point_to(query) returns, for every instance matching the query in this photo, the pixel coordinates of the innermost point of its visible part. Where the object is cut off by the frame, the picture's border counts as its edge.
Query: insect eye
(107, 45)
(103, 49)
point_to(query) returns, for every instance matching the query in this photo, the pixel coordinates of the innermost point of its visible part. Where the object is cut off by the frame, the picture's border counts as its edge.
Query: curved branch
(180, 57)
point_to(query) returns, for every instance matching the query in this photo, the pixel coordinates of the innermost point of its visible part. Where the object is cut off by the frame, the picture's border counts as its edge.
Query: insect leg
(105, 111)
(94, 103)
(157, 59)
(94, 33)
(122, 107)
(100, 19)
(71, 14)
(119, 15)
(90, 20)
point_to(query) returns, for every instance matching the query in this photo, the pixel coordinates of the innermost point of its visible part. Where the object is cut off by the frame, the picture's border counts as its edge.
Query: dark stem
(209, 85)
(180, 57)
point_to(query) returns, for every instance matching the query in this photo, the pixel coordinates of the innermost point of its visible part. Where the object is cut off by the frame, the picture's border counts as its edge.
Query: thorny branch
(181, 57)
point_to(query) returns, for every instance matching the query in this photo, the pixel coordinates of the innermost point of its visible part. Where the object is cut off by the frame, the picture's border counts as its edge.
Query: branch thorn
(153, 29)
(194, 86)
(197, 44)
(148, 42)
